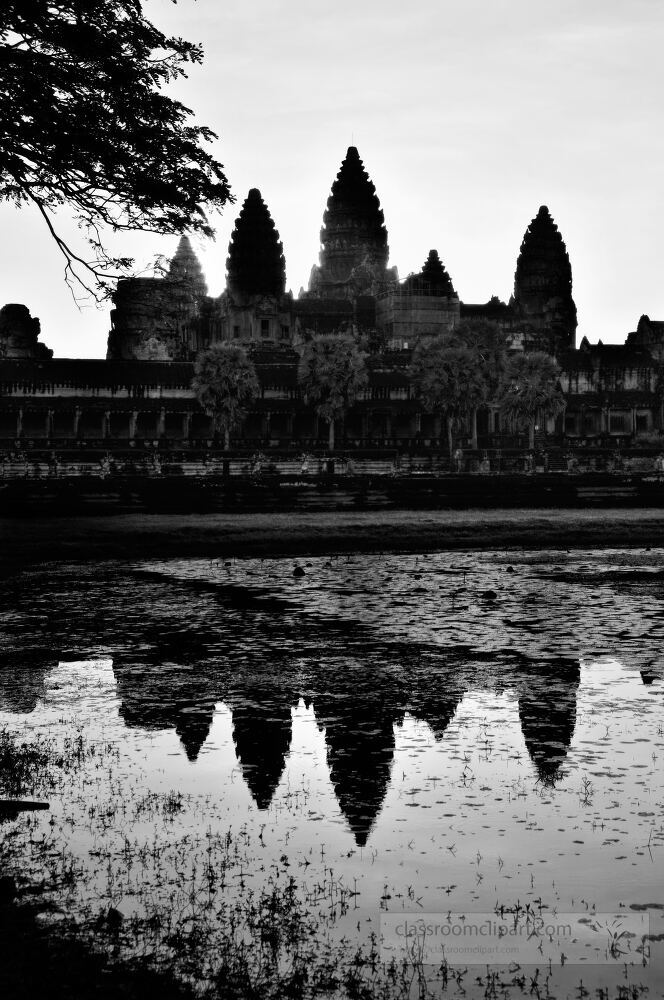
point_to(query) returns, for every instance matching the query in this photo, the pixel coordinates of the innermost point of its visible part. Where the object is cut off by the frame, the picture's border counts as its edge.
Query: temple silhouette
(141, 394)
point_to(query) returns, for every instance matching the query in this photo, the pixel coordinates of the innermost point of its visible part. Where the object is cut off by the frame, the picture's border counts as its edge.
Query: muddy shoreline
(135, 536)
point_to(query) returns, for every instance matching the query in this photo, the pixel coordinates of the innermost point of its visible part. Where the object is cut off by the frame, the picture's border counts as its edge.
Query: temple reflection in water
(357, 718)
(180, 648)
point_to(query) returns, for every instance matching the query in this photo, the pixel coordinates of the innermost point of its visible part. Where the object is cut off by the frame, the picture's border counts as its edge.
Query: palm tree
(332, 374)
(531, 387)
(226, 384)
(448, 380)
(489, 344)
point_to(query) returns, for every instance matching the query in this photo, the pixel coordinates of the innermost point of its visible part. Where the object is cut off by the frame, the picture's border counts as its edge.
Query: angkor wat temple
(141, 395)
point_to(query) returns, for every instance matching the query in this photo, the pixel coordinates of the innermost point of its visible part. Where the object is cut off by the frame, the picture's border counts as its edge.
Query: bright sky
(468, 114)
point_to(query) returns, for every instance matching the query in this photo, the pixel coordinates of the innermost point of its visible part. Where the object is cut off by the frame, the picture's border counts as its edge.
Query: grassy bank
(35, 961)
(26, 542)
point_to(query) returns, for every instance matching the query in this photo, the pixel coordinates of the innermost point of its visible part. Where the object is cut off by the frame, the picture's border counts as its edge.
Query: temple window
(285, 332)
(265, 328)
(236, 331)
(618, 423)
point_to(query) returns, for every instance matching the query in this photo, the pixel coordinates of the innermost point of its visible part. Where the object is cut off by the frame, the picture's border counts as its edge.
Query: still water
(441, 735)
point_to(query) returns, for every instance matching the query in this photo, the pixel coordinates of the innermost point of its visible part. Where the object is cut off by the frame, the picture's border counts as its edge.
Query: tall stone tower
(255, 264)
(542, 302)
(354, 251)
(186, 269)
(254, 308)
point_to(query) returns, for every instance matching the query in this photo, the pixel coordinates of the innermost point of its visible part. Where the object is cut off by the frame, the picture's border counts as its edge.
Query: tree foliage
(226, 384)
(85, 123)
(531, 387)
(447, 380)
(332, 374)
(488, 343)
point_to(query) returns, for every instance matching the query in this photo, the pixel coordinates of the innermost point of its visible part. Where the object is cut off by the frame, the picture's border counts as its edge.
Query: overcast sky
(468, 114)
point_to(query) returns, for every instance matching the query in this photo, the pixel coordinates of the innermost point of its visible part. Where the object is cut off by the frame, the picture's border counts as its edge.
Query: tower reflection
(359, 734)
(163, 696)
(547, 712)
(262, 732)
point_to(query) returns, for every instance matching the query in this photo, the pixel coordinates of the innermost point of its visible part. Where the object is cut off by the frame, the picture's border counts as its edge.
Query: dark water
(446, 733)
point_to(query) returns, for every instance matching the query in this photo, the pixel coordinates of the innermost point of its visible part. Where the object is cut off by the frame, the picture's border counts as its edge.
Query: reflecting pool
(449, 734)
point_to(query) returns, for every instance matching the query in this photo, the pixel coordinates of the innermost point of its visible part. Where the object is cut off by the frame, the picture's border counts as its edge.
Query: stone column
(133, 423)
(161, 423)
(106, 424)
(77, 421)
(186, 426)
(19, 422)
(633, 421)
(364, 425)
(48, 425)
(388, 424)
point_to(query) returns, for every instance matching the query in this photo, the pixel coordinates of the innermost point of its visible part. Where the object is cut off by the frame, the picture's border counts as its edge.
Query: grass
(40, 540)
(210, 933)
(21, 764)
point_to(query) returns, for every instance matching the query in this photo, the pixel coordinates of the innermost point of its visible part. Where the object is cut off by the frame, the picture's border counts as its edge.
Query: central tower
(542, 301)
(354, 251)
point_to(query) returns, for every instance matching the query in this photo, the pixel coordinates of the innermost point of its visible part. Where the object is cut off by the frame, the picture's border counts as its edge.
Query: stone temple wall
(19, 334)
(404, 319)
(155, 319)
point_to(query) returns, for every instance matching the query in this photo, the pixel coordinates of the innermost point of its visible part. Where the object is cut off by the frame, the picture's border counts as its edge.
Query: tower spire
(354, 250)
(543, 283)
(433, 279)
(255, 264)
(185, 266)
